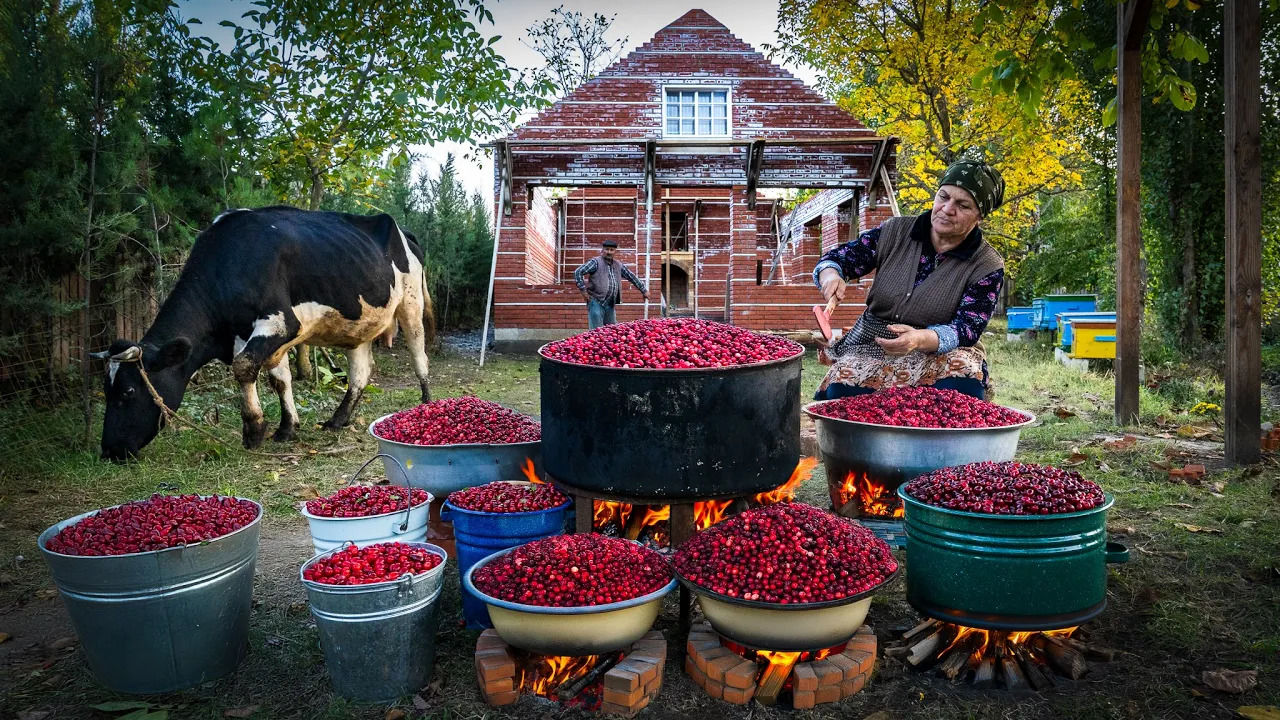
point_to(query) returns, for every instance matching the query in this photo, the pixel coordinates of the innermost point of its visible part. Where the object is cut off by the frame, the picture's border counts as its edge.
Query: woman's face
(955, 213)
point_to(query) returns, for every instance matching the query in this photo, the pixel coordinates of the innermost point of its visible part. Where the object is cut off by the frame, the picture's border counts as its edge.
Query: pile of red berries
(786, 553)
(364, 501)
(371, 564)
(574, 571)
(457, 421)
(162, 521)
(923, 407)
(671, 343)
(505, 497)
(1007, 488)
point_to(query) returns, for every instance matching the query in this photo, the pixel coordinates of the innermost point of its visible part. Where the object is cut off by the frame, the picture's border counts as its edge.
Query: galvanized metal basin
(379, 640)
(628, 432)
(570, 631)
(893, 455)
(796, 627)
(441, 469)
(163, 620)
(1007, 572)
(328, 533)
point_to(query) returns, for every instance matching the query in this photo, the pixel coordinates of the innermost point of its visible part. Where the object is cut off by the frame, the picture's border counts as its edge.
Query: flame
(709, 512)
(874, 496)
(552, 671)
(530, 473)
(786, 492)
(604, 512)
(994, 641)
(653, 514)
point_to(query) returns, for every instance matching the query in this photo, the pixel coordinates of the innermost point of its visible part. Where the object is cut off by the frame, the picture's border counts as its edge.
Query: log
(1066, 659)
(1093, 652)
(775, 676)
(919, 630)
(925, 648)
(851, 509)
(1012, 674)
(985, 676)
(957, 659)
(570, 688)
(1037, 678)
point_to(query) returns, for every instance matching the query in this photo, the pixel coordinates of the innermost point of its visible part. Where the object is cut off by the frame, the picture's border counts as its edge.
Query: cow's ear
(174, 352)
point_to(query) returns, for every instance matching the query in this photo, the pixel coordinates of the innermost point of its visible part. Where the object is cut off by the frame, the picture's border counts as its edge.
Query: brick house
(673, 151)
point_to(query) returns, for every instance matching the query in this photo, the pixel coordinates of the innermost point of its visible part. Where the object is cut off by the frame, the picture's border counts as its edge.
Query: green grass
(1187, 602)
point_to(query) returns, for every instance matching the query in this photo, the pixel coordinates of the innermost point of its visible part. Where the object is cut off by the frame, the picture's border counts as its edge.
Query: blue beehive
(1054, 304)
(1021, 318)
(1065, 320)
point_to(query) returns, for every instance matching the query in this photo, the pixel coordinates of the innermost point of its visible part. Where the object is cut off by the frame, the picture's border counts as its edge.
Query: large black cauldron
(671, 434)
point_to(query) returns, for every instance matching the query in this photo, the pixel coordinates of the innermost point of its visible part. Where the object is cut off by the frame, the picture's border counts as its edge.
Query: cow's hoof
(252, 434)
(332, 426)
(284, 434)
(426, 394)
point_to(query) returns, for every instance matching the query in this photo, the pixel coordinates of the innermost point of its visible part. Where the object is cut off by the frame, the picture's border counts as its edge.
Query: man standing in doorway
(603, 288)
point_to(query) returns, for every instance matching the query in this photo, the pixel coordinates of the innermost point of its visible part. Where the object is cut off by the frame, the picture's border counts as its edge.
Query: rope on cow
(169, 414)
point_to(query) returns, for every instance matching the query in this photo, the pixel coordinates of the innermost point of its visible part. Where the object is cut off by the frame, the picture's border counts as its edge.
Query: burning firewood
(985, 676)
(1095, 652)
(925, 648)
(1066, 659)
(1036, 677)
(1013, 677)
(957, 658)
(571, 688)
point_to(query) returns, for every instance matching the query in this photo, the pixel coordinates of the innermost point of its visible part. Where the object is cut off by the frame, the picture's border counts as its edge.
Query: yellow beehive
(1093, 340)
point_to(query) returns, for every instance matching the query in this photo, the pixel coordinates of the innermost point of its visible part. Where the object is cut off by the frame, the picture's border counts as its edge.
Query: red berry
(924, 407)
(364, 501)
(786, 553)
(574, 571)
(382, 562)
(671, 343)
(1007, 488)
(505, 497)
(160, 522)
(457, 421)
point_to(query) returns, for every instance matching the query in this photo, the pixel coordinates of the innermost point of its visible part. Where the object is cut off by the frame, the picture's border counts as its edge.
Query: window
(697, 112)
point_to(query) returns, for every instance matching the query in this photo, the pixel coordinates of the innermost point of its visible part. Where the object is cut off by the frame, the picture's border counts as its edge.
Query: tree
(907, 70)
(574, 46)
(339, 85)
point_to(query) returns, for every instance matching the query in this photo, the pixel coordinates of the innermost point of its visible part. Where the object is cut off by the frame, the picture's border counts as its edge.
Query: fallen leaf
(1075, 459)
(5, 579)
(305, 492)
(1146, 598)
(1062, 412)
(394, 714)
(1103, 467)
(1259, 712)
(241, 712)
(1218, 487)
(4, 636)
(1121, 444)
(1093, 398)
(1193, 432)
(1198, 529)
(1161, 466)
(420, 704)
(1248, 523)
(1189, 506)
(62, 643)
(1231, 681)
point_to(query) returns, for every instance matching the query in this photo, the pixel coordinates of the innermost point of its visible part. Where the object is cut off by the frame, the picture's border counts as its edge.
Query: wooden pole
(493, 272)
(1244, 231)
(666, 250)
(697, 210)
(1131, 24)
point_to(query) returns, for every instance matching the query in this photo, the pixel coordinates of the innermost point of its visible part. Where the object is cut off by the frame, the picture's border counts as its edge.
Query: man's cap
(611, 243)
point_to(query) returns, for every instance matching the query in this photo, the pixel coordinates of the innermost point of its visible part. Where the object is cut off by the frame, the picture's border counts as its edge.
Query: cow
(259, 282)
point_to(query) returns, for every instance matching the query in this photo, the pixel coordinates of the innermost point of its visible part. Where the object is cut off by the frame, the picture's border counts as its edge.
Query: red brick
(623, 698)
(804, 678)
(828, 673)
(848, 668)
(613, 709)
(505, 698)
(717, 667)
(853, 685)
(622, 680)
(738, 696)
(862, 661)
(803, 699)
(742, 675)
(497, 686)
(494, 665)
(827, 694)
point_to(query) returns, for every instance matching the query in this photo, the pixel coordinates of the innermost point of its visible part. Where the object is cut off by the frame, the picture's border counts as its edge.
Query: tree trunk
(305, 369)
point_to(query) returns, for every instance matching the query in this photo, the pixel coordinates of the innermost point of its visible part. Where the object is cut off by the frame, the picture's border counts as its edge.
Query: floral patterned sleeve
(973, 314)
(853, 259)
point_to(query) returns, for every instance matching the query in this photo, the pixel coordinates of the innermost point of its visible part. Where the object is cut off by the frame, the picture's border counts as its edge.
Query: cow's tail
(428, 313)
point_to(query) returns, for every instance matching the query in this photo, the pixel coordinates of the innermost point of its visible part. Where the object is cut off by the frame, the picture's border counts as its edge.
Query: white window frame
(728, 116)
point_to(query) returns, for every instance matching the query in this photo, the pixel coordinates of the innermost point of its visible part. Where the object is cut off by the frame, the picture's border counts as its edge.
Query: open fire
(738, 674)
(1014, 660)
(575, 681)
(860, 495)
(652, 522)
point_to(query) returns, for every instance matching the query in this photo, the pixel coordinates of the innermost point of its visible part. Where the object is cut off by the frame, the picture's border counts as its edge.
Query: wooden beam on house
(685, 142)
(877, 161)
(1131, 24)
(502, 162)
(1243, 407)
(697, 212)
(755, 161)
(888, 191)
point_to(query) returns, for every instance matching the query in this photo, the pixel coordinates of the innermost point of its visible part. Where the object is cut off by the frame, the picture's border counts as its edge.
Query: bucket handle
(408, 491)
(1116, 553)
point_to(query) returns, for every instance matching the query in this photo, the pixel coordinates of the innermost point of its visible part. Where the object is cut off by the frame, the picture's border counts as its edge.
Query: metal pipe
(493, 272)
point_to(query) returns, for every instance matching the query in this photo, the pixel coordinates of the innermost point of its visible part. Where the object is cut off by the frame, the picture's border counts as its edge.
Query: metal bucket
(379, 640)
(1007, 572)
(441, 469)
(408, 525)
(893, 455)
(480, 534)
(164, 620)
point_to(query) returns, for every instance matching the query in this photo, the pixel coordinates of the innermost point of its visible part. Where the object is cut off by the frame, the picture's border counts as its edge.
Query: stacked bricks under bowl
(726, 675)
(629, 686)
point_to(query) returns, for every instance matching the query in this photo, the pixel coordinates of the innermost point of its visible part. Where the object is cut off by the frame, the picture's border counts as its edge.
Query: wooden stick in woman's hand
(831, 305)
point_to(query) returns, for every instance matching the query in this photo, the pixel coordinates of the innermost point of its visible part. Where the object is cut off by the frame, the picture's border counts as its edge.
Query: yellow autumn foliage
(906, 70)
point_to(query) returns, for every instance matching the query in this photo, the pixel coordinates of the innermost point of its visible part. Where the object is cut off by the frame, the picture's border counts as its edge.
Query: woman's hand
(832, 284)
(909, 340)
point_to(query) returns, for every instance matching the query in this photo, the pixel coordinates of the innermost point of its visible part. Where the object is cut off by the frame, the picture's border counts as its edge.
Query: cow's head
(133, 417)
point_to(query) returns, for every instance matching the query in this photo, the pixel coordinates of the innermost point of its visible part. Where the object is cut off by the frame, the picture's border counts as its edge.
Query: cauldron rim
(1108, 500)
(808, 409)
(379, 438)
(800, 350)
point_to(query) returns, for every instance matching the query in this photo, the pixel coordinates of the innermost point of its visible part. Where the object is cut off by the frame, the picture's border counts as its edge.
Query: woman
(936, 285)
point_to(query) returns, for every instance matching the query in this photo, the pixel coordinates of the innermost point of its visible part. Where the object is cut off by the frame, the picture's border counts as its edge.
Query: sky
(754, 21)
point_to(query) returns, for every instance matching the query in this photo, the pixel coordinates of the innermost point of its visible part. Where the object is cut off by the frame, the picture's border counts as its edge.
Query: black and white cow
(257, 283)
